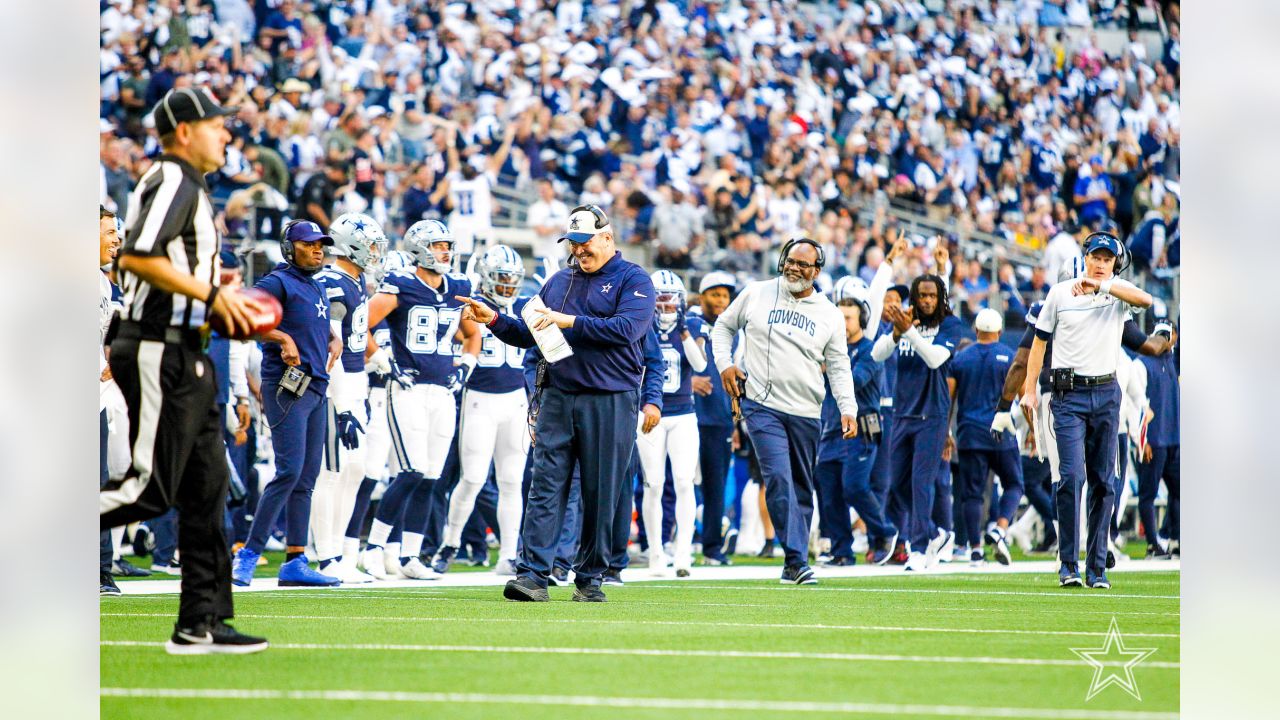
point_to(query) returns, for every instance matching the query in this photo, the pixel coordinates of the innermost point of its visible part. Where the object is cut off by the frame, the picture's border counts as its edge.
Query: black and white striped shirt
(169, 216)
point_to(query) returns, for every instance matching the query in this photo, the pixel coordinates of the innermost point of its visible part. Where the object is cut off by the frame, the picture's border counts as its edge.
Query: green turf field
(989, 645)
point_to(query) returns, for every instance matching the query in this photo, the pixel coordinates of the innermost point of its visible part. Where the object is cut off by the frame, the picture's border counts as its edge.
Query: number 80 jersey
(424, 324)
(500, 367)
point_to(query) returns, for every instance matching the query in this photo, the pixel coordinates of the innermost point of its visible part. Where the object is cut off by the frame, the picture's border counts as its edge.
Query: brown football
(264, 321)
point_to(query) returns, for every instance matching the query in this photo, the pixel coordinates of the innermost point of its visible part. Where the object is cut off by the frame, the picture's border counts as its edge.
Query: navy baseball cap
(585, 222)
(306, 231)
(229, 260)
(186, 105)
(1102, 241)
(903, 291)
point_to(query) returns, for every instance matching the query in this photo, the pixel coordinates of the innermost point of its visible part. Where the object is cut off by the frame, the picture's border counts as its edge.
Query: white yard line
(641, 576)
(657, 652)
(633, 702)
(1078, 593)
(675, 623)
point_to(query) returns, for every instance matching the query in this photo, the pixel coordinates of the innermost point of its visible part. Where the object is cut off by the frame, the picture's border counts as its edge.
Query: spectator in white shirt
(547, 218)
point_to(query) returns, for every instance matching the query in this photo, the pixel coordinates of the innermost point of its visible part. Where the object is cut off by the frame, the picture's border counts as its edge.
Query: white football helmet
(394, 261)
(1071, 269)
(669, 302)
(418, 243)
(854, 288)
(358, 238)
(501, 273)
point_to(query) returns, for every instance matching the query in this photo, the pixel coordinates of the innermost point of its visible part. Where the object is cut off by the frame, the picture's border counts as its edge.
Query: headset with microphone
(790, 244)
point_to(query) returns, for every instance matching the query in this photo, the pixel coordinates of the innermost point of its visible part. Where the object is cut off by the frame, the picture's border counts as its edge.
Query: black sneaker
(525, 589)
(124, 568)
(144, 541)
(478, 556)
(559, 576)
(612, 576)
(1155, 552)
(730, 542)
(841, 561)
(767, 550)
(217, 638)
(107, 584)
(798, 575)
(443, 559)
(716, 560)
(588, 593)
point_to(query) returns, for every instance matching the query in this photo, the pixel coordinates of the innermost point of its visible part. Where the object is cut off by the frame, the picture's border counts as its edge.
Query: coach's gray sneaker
(588, 593)
(525, 589)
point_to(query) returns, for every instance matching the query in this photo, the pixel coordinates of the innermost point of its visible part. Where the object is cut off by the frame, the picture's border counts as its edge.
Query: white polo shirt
(1086, 329)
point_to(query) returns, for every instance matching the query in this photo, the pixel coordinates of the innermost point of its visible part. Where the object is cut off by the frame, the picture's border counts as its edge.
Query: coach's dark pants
(974, 466)
(297, 438)
(1084, 421)
(846, 482)
(179, 460)
(1164, 465)
(715, 448)
(106, 553)
(787, 449)
(597, 431)
(1038, 483)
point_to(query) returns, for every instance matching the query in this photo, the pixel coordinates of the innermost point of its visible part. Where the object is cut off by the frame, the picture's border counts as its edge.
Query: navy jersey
(868, 381)
(382, 337)
(890, 367)
(306, 320)
(920, 391)
(1163, 394)
(424, 323)
(979, 371)
(713, 410)
(677, 376)
(500, 367)
(348, 301)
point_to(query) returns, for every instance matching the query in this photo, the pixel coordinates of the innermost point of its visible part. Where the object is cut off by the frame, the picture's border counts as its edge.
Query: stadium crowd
(711, 133)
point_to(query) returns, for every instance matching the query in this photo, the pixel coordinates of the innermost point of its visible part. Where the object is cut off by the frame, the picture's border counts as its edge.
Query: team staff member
(1085, 318)
(108, 302)
(715, 422)
(925, 336)
(790, 331)
(295, 377)
(1160, 454)
(975, 379)
(158, 360)
(589, 403)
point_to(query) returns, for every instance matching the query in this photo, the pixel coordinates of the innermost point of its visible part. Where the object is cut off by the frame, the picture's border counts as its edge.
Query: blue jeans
(1165, 465)
(786, 447)
(1085, 421)
(297, 437)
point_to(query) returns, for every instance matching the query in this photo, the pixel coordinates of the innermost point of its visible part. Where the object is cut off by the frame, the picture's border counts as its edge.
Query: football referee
(170, 270)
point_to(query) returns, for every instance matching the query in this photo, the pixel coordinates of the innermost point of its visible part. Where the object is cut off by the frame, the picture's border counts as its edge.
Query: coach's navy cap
(903, 291)
(186, 105)
(306, 231)
(586, 222)
(1102, 241)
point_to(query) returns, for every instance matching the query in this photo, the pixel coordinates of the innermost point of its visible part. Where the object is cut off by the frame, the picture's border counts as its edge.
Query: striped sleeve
(165, 205)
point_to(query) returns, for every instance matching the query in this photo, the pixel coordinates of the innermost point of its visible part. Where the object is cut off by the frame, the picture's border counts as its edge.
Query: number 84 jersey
(500, 367)
(424, 323)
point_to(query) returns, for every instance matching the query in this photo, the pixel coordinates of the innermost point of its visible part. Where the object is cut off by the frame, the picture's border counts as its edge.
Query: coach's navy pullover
(614, 308)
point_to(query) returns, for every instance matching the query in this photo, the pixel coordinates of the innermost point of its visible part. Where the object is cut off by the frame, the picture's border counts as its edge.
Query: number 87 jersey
(500, 367)
(424, 323)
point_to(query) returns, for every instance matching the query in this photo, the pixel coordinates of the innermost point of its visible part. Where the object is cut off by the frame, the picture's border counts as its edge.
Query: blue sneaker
(242, 567)
(297, 572)
(1097, 580)
(1069, 575)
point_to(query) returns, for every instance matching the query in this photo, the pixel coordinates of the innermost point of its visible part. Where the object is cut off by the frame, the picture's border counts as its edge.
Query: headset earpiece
(787, 247)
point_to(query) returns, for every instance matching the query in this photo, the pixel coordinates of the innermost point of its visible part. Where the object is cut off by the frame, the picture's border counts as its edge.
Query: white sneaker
(371, 561)
(860, 543)
(1020, 534)
(391, 562)
(939, 541)
(273, 545)
(916, 562)
(332, 569)
(348, 573)
(415, 570)
(1001, 547)
(1120, 555)
(506, 566)
(659, 563)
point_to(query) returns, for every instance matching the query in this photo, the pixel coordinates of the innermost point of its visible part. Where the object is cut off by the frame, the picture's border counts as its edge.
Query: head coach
(587, 403)
(790, 331)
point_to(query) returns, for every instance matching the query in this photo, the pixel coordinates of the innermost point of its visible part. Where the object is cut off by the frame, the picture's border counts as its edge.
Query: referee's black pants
(179, 460)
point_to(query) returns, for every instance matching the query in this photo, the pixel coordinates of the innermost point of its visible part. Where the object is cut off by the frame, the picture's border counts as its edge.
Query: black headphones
(1124, 260)
(602, 220)
(786, 249)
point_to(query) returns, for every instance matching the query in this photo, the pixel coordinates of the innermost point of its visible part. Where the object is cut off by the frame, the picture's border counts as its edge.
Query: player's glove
(1002, 422)
(348, 430)
(379, 362)
(403, 378)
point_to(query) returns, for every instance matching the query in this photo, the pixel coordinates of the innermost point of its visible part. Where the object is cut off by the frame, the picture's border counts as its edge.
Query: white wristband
(1105, 287)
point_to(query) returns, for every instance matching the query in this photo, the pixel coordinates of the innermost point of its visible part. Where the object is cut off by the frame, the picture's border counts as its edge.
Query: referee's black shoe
(212, 638)
(587, 593)
(524, 589)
